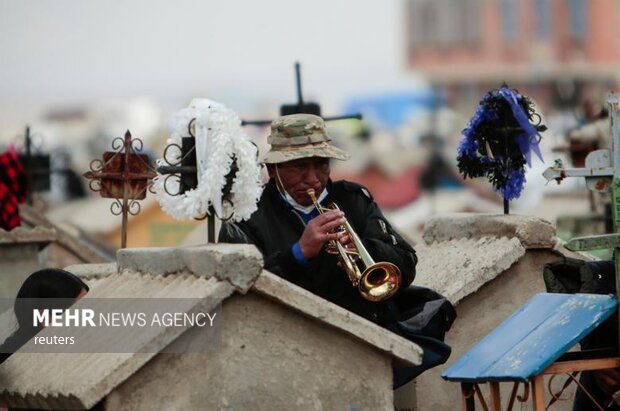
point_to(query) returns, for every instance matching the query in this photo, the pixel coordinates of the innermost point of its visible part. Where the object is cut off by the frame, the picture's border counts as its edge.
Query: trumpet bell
(380, 281)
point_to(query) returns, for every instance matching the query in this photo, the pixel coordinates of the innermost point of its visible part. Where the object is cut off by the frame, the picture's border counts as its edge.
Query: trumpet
(378, 281)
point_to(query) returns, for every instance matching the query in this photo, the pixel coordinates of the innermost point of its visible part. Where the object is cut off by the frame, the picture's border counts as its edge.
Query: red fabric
(13, 190)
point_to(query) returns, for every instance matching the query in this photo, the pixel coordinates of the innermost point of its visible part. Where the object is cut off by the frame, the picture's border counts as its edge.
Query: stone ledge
(23, 235)
(532, 232)
(239, 264)
(90, 271)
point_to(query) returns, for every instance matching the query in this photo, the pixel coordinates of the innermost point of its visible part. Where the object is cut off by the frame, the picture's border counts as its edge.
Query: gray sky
(75, 52)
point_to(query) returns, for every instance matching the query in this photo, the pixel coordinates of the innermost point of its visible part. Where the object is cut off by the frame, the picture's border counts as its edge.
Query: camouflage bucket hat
(300, 136)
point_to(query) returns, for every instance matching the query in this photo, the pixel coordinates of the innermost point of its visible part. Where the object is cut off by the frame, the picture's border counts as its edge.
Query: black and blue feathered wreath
(499, 139)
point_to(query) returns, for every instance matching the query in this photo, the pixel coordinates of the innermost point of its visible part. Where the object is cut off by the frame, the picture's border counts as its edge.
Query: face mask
(304, 209)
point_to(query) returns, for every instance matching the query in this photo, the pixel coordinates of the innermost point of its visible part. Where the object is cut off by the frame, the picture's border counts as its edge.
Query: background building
(559, 52)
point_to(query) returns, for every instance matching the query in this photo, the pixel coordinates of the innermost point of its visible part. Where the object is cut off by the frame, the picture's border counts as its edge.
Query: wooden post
(496, 400)
(538, 394)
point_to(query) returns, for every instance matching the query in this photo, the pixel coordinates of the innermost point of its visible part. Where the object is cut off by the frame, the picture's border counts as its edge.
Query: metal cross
(602, 173)
(37, 166)
(123, 175)
(300, 107)
(185, 170)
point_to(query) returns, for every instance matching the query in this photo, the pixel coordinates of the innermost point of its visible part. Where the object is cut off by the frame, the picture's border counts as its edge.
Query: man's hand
(319, 231)
(349, 246)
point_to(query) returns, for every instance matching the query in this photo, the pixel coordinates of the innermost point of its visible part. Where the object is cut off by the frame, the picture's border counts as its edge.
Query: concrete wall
(269, 358)
(479, 314)
(17, 262)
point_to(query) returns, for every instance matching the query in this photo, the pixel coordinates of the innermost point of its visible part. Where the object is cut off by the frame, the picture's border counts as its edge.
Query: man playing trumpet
(292, 229)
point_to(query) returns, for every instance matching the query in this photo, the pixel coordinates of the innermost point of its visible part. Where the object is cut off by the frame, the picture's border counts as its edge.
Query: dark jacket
(275, 227)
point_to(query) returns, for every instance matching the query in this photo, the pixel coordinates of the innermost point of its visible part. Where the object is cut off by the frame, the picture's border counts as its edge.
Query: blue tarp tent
(392, 109)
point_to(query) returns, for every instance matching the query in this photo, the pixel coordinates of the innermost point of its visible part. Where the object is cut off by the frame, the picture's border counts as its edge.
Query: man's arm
(383, 243)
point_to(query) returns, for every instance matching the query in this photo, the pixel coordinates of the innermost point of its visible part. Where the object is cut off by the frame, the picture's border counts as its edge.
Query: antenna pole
(300, 99)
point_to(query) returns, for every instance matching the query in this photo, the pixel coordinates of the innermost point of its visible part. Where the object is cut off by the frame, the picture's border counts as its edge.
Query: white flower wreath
(219, 137)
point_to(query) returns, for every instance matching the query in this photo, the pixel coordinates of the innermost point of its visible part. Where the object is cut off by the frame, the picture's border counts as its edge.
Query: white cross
(600, 164)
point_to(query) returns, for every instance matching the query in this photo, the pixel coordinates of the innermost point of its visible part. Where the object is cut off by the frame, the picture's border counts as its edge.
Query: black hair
(43, 289)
